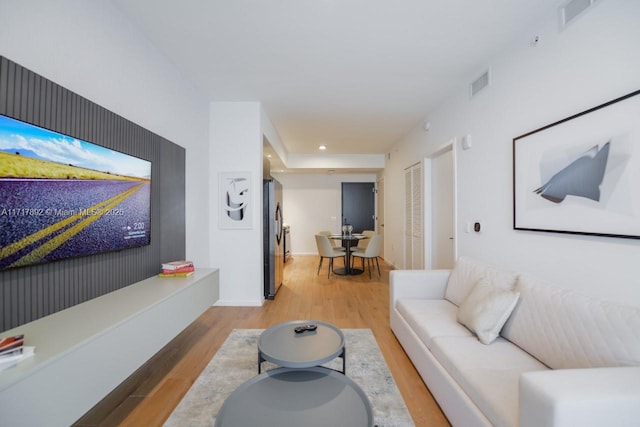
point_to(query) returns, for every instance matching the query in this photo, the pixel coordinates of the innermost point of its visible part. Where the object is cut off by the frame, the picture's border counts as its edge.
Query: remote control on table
(302, 328)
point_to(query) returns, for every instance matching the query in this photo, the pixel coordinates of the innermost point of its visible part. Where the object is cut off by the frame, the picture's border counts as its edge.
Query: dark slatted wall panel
(29, 293)
(172, 158)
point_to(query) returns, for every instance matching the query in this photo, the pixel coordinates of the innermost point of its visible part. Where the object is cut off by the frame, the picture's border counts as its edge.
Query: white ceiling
(355, 75)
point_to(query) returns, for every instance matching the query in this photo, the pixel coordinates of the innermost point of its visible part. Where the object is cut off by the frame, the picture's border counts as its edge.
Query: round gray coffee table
(286, 397)
(281, 345)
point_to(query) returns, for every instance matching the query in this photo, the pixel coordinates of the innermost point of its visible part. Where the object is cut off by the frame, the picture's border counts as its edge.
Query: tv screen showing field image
(62, 197)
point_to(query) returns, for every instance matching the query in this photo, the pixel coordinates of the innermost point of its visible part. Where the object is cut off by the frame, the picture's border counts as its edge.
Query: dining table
(347, 243)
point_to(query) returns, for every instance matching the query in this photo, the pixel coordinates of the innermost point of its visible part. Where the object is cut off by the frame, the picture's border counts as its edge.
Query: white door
(442, 210)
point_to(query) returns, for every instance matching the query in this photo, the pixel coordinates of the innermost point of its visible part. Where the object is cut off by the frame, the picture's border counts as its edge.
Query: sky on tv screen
(39, 143)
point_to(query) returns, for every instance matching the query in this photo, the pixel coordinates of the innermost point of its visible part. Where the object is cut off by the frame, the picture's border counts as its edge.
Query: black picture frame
(581, 175)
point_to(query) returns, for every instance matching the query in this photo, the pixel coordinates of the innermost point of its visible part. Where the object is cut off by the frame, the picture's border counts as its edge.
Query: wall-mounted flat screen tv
(62, 197)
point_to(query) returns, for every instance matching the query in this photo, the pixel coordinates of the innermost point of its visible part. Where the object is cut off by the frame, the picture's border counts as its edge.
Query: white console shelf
(84, 352)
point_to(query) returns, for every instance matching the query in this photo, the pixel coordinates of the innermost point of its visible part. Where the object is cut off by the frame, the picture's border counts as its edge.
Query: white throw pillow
(466, 274)
(486, 309)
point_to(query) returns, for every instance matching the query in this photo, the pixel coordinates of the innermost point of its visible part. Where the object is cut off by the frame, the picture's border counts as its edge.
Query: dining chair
(325, 250)
(333, 242)
(363, 243)
(370, 253)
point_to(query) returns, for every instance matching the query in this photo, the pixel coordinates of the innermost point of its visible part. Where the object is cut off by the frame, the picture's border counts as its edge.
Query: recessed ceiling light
(268, 156)
(322, 147)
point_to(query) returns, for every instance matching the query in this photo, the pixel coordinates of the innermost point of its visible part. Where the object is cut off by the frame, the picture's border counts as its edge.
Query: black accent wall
(29, 293)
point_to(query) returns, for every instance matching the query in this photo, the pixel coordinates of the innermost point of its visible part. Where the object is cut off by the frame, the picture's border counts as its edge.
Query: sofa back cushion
(468, 271)
(564, 329)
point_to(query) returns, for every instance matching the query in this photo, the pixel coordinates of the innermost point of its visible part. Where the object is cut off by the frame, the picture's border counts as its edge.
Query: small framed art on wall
(236, 210)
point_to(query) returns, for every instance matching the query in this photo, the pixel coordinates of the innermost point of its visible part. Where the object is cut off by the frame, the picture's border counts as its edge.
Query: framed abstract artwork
(581, 175)
(236, 211)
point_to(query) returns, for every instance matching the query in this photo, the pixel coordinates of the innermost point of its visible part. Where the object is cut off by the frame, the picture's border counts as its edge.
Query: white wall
(90, 48)
(236, 146)
(312, 203)
(271, 134)
(593, 61)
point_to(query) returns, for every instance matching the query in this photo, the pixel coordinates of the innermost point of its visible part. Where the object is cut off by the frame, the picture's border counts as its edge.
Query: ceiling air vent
(572, 9)
(480, 83)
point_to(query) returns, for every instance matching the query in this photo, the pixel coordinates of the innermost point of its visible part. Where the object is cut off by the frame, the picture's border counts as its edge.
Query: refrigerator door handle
(278, 220)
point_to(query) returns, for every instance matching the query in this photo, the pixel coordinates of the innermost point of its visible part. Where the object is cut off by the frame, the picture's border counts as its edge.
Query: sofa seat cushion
(431, 318)
(565, 329)
(489, 374)
(467, 272)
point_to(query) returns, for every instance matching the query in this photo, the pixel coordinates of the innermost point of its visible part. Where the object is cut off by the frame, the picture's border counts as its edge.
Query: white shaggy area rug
(237, 361)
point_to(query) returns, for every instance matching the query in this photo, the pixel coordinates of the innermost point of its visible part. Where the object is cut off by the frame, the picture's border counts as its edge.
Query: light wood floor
(149, 396)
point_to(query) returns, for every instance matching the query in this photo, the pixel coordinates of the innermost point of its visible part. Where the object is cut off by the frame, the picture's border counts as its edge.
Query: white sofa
(561, 359)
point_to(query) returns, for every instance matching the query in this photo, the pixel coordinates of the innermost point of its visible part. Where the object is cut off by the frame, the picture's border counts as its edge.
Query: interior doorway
(358, 205)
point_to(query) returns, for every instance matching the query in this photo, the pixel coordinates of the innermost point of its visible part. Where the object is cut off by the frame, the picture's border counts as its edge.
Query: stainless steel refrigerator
(273, 239)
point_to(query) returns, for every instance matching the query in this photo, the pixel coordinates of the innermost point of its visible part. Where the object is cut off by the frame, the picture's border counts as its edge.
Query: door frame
(379, 223)
(428, 201)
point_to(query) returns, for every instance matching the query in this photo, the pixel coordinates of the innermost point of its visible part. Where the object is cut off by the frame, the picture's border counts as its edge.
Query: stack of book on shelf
(177, 269)
(13, 351)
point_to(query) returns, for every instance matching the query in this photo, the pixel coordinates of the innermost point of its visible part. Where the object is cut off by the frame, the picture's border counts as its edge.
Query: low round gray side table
(281, 345)
(285, 397)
